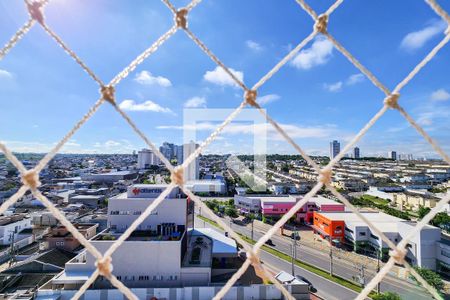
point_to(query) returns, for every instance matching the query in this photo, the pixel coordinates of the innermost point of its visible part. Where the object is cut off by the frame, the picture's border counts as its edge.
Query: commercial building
(276, 206)
(88, 200)
(110, 177)
(356, 153)
(348, 230)
(205, 186)
(335, 148)
(162, 252)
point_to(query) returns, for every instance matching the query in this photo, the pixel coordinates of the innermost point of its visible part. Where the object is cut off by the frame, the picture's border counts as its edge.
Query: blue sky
(318, 96)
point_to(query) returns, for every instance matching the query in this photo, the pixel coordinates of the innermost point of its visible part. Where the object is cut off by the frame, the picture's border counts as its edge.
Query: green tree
(387, 296)
(431, 277)
(231, 212)
(423, 211)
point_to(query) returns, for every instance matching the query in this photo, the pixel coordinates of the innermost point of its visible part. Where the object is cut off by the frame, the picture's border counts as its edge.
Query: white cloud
(146, 78)
(333, 87)
(293, 131)
(195, 102)
(5, 74)
(266, 99)
(417, 39)
(254, 46)
(318, 54)
(440, 95)
(354, 79)
(148, 105)
(220, 77)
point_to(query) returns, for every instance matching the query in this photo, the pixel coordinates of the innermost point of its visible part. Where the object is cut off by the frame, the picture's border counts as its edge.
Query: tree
(231, 212)
(423, 211)
(387, 296)
(431, 277)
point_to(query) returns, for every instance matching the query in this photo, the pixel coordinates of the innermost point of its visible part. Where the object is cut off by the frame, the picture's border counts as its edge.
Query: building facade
(335, 148)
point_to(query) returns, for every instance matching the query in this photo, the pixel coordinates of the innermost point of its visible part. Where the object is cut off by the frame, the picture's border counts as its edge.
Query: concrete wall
(158, 258)
(256, 291)
(423, 244)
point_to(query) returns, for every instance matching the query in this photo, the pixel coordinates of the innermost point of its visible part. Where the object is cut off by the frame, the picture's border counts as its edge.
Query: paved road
(325, 288)
(340, 267)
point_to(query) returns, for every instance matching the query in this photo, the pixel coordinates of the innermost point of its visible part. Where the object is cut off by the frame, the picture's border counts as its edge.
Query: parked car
(226, 233)
(310, 286)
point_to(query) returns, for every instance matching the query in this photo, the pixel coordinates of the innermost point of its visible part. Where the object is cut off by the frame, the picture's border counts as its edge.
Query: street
(342, 268)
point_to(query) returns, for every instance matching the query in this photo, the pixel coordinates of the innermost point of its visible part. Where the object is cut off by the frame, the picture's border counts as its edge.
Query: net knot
(181, 18)
(398, 255)
(177, 176)
(108, 92)
(31, 178)
(325, 176)
(250, 97)
(104, 266)
(256, 263)
(322, 23)
(392, 100)
(35, 11)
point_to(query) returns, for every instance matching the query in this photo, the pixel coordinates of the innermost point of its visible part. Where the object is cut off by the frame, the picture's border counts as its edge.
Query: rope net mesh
(104, 263)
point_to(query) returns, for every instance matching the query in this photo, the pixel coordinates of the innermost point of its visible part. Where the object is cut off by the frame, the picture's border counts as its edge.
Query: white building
(162, 252)
(11, 226)
(147, 158)
(191, 172)
(214, 186)
(421, 248)
(335, 148)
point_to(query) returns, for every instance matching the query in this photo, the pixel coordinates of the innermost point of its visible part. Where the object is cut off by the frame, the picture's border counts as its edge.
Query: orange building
(328, 228)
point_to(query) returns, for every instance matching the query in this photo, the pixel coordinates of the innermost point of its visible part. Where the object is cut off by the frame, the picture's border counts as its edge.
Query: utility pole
(378, 270)
(253, 220)
(331, 256)
(294, 252)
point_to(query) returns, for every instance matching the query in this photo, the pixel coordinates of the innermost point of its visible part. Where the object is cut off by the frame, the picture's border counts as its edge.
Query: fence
(30, 178)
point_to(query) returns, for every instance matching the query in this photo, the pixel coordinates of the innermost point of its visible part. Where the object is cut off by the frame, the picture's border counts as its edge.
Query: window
(362, 234)
(445, 253)
(119, 277)
(136, 212)
(348, 229)
(374, 236)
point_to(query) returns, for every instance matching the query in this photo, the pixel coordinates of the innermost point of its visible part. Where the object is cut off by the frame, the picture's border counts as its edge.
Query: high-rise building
(167, 150)
(178, 151)
(392, 155)
(356, 153)
(147, 158)
(192, 170)
(335, 148)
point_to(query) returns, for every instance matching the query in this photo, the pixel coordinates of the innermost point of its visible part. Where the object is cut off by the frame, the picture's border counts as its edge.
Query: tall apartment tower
(392, 155)
(167, 149)
(147, 158)
(192, 170)
(335, 148)
(356, 153)
(178, 151)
